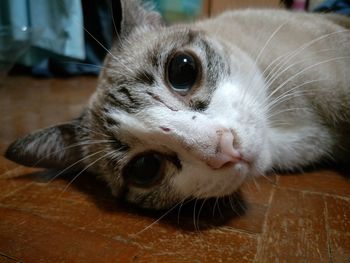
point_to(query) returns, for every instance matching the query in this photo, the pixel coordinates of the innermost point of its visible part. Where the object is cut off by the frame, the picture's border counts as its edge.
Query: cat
(190, 111)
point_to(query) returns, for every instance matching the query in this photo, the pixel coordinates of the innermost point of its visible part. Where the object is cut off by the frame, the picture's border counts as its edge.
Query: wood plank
(295, 229)
(34, 239)
(99, 215)
(340, 247)
(325, 181)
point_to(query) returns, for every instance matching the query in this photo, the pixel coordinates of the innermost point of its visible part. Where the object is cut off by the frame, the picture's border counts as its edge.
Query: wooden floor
(289, 218)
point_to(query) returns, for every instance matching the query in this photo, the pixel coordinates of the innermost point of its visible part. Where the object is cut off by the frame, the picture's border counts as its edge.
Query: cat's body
(190, 111)
(306, 59)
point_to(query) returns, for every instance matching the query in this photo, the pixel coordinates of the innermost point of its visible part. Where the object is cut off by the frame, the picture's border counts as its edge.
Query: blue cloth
(57, 27)
(97, 23)
(335, 6)
(60, 46)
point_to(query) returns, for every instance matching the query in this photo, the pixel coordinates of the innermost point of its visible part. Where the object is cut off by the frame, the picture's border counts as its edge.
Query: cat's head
(176, 115)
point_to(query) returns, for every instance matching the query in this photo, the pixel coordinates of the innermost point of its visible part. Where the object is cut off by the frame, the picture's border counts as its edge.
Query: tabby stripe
(145, 78)
(127, 106)
(199, 105)
(127, 94)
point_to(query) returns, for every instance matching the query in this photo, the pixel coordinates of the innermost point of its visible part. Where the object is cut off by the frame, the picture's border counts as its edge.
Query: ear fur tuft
(52, 147)
(137, 14)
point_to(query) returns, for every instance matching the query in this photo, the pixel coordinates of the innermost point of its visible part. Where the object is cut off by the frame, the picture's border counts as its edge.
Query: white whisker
(160, 218)
(253, 74)
(84, 143)
(194, 215)
(287, 110)
(72, 165)
(303, 70)
(199, 212)
(87, 167)
(310, 43)
(291, 92)
(271, 78)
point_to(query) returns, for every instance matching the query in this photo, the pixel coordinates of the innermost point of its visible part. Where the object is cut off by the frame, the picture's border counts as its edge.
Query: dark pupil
(182, 72)
(144, 170)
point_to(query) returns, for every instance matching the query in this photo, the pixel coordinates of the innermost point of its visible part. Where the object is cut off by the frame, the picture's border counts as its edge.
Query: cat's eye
(182, 72)
(145, 170)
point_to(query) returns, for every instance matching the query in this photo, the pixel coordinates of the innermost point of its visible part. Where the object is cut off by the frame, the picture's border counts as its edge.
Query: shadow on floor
(191, 215)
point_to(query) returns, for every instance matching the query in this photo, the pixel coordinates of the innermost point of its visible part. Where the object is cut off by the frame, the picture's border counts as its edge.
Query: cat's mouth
(223, 161)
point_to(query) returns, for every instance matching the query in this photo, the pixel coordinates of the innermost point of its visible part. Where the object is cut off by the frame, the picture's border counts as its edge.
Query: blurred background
(44, 220)
(70, 37)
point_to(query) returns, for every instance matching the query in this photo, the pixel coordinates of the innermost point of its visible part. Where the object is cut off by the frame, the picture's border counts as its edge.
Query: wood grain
(286, 218)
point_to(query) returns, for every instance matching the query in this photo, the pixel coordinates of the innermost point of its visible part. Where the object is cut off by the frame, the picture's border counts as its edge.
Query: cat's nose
(226, 153)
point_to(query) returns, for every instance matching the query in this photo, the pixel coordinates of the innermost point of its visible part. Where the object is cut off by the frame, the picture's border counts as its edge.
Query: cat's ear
(53, 147)
(137, 14)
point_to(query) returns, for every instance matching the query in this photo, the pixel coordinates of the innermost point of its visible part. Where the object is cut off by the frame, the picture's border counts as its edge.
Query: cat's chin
(203, 182)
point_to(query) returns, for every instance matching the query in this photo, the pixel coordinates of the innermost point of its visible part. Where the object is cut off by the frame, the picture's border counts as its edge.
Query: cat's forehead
(163, 40)
(151, 48)
(137, 70)
(142, 57)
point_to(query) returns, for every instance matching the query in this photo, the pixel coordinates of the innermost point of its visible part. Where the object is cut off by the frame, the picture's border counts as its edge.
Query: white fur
(232, 107)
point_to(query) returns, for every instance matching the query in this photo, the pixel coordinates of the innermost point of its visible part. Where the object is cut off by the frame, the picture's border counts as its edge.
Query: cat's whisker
(114, 57)
(112, 158)
(278, 123)
(312, 42)
(160, 218)
(88, 64)
(72, 165)
(199, 212)
(103, 46)
(280, 71)
(253, 73)
(305, 69)
(331, 156)
(194, 215)
(228, 93)
(219, 209)
(130, 74)
(257, 186)
(287, 110)
(242, 205)
(279, 60)
(214, 207)
(232, 202)
(294, 95)
(274, 33)
(110, 4)
(90, 129)
(291, 92)
(98, 42)
(75, 145)
(288, 96)
(274, 73)
(179, 211)
(53, 153)
(83, 143)
(83, 170)
(267, 178)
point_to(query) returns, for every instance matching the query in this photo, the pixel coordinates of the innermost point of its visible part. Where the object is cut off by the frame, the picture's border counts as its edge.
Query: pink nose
(226, 154)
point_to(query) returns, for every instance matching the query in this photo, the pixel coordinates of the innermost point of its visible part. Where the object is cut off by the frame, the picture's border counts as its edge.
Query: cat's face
(183, 118)
(176, 116)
